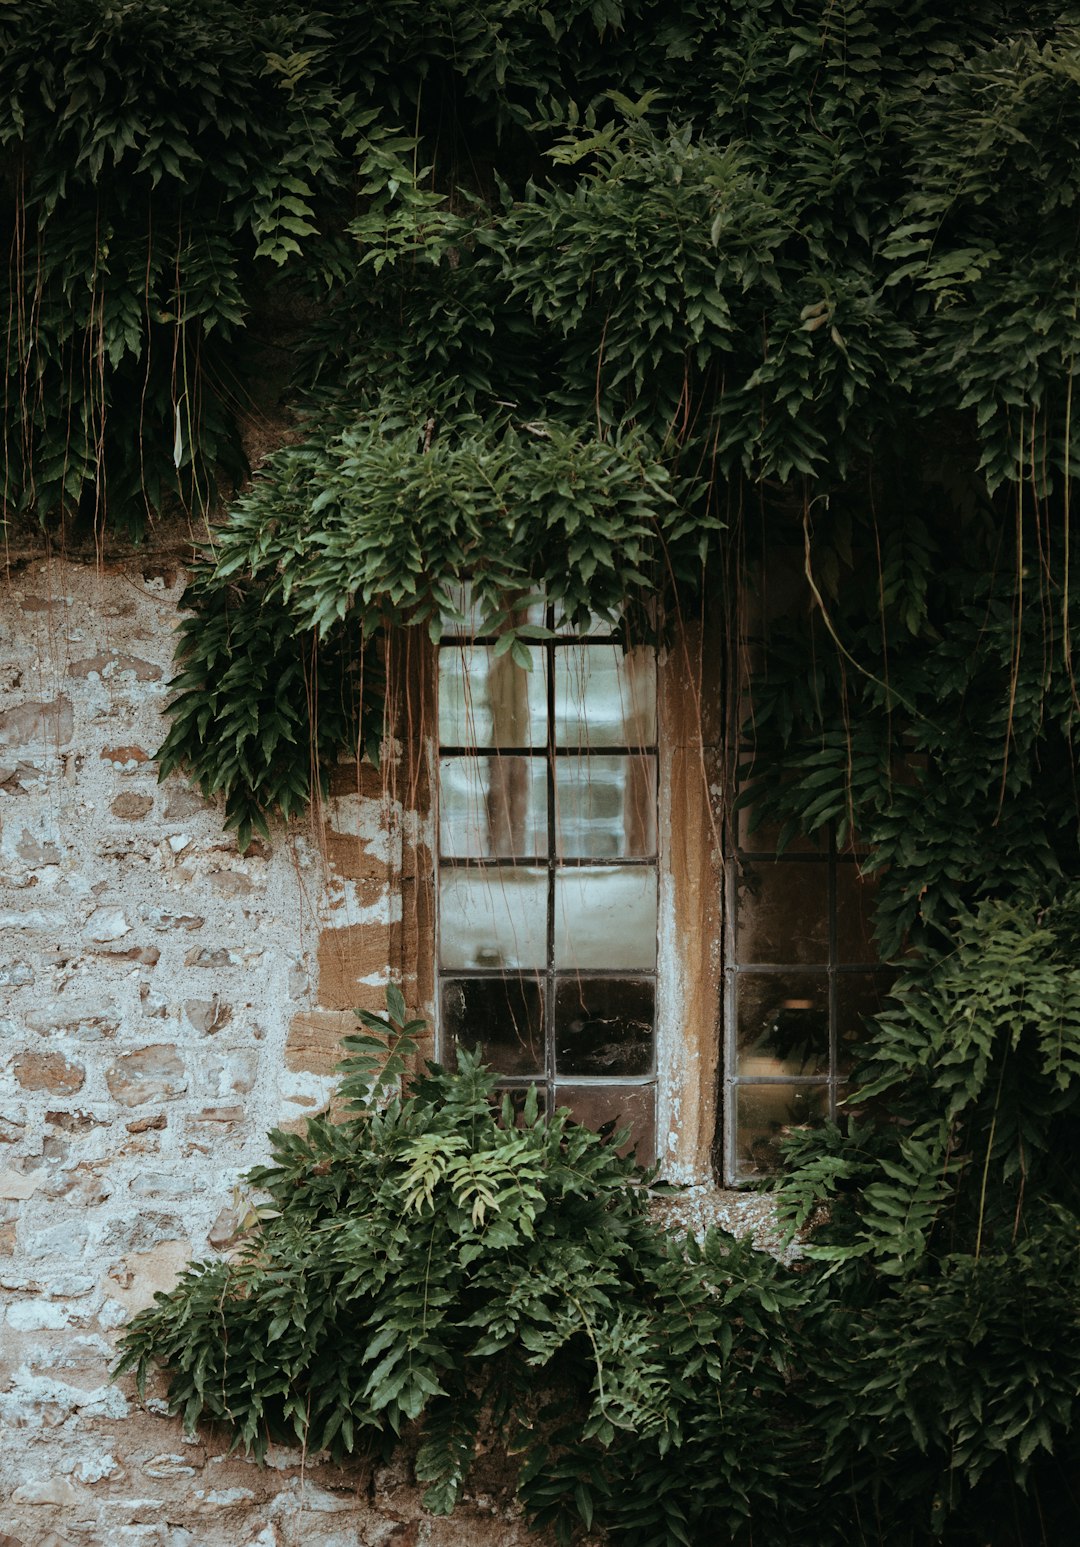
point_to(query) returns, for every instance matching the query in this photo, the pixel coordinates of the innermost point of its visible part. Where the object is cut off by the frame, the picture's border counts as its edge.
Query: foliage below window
(438, 1260)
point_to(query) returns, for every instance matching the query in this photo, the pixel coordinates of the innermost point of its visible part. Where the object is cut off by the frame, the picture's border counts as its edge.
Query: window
(548, 870)
(596, 938)
(801, 969)
(801, 972)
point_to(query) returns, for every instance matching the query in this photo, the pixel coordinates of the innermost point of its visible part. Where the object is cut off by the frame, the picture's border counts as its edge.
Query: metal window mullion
(549, 996)
(830, 903)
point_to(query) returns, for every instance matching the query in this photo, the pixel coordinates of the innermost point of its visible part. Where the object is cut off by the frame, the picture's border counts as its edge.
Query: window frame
(830, 969)
(552, 1080)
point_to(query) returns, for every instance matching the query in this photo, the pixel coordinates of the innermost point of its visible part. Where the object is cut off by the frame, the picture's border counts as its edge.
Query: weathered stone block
(231, 883)
(113, 664)
(182, 800)
(106, 924)
(147, 1124)
(229, 1114)
(314, 1041)
(34, 852)
(222, 957)
(207, 1015)
(234, 1074)
(51, 722)
(126, 759)
(162, 919)
(352, 960)
(17, 1184)
(49, 1490)
(225, 1231)
(151, 1074)
(49, 1071)
(131, 808)
(136, 1280)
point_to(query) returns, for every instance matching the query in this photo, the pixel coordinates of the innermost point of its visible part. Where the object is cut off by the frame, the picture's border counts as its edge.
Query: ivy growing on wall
(653, 309)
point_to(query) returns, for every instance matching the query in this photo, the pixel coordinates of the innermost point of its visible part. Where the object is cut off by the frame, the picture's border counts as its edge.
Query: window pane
(782, 1023)
(487, 701)
(627, 1106)
(503, 1016)
(604, 1026)
(604, 697)
(595, 624)
(606, 917)
(858, 994)
(491, 807)
(764, 838)
(606, 807)
(765, 1114)
(855, 901)
(782, 912)
(493, 917)
(519, 1094)
(472, 617)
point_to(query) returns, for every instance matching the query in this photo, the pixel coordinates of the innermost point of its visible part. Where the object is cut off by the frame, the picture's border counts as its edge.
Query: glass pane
(504, 1017)
(606, 807)
(782, 1023)
(782, 912)
(519, 1094)
(856, 897)
(471, 612)
(487, 701)
(858, 994)
(764, 1114)
(604, 697)
(606, 917)
(604, 1025)
(492, 806)
(626, 1106)
(596, 624)
(765, 837)
(493, 917)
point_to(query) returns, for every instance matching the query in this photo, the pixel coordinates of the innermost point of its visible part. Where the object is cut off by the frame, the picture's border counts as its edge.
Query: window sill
(753, 1214)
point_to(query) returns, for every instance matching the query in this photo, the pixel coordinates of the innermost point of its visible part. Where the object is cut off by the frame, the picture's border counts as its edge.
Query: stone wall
(164, 1000)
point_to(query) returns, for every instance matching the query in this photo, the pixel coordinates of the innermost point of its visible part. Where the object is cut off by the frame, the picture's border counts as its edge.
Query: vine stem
(986, 1162)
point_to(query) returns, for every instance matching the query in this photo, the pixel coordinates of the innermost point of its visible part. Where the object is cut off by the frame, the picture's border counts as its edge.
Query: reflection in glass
(470, 613)
(595, 623)
(518, 1095)
(491, 807)
(604, 1025)
(782, 1023)
(626, 1106)
(504, 1017)
(856, 897)
(604, 697)
(486, 700)
(858, 994)
(782, 912)
(764, 837)
(605, 807)
(606, 917)
(765, 1114)
(492, 916)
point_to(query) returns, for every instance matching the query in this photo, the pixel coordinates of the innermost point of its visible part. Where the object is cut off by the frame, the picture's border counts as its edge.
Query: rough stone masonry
(164, 1000)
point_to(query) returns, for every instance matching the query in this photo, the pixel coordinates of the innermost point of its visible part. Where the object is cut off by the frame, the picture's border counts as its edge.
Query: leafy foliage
(648, 308)
(427, 1258)
(432, 1261)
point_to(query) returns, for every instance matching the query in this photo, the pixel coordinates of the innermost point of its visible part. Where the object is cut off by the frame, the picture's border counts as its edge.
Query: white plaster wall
(148, 978)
